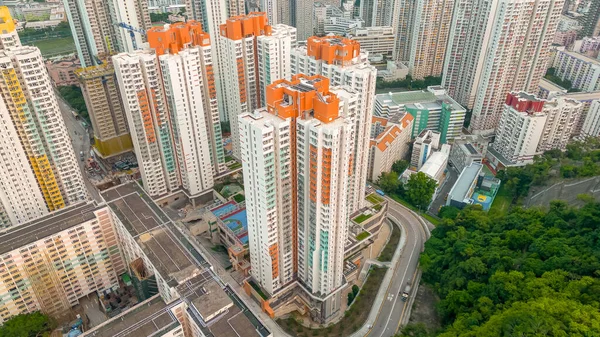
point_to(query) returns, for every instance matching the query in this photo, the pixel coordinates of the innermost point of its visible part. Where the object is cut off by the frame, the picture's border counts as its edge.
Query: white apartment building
(519, 131)
(240, 78)
(389, 145)
(339, 25)
(267, 164)
(342, 61)
(134, 13)
(431, 27)
(495, 47)
(171, 104)
(375, 40)
(426, 143)
(145, 104)
(563, 117)
(93, 23)
(591, 124)
(31, 110)
(581, 70)
(297, 185)
(184, 85)
(50, 263)
(8, 31)
(274, 56)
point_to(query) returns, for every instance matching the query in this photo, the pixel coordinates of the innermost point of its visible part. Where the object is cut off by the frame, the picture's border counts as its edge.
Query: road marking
(401, 283)
(407, 302)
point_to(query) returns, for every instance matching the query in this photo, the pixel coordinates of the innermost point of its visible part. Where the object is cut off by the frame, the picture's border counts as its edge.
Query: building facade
(375, 40)
(93, 23)
(433, 109)
(495, 47)
(35, 134)
(342, 61)
(431, 27)
(581, 70)
(240, 79)
(297, 208)
(426, 143)
(274, 57)
(173, 119)
(591, 124)
(389, 145)
(105, 107)
(530, 126)
(51, 263)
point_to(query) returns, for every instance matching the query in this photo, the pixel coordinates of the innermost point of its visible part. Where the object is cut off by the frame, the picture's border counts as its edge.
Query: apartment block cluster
(296, 83)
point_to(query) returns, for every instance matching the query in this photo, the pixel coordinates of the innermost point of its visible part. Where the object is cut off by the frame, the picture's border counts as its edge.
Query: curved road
(393, 310)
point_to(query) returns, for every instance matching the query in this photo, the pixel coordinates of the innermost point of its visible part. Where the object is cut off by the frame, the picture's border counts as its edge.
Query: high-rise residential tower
(274, 56)
(302, 18)
(93, 23)
(496, 47)
(403, 23)
(40, 173)
(431, 25)
(254, 55)
(169, 100)
(342, 61)
(376, 13)
(103, 101)
(297, 157)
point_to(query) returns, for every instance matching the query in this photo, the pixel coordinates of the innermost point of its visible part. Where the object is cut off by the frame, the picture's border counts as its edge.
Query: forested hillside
(531, 272)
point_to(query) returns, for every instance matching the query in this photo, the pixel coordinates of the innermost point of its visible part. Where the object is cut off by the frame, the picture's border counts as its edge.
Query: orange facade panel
(332, 49)
(274, 252)
(285, 100)
(239, 27)
(173, 38)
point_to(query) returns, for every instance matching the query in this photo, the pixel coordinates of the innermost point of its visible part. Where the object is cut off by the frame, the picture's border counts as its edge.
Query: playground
(235, 219)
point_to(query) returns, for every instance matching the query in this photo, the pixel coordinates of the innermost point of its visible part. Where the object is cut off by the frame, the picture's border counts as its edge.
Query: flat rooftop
(146, 319)
(551, 86)
(422, 99)
(584, 96)
(581, 57)
(153, 231)
(47, 226)
(465, 180)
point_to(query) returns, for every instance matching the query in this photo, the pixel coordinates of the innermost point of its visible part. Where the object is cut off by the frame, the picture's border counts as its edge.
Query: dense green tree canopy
(27, 325)
(399, 166)
(419, 190)
(531, 272)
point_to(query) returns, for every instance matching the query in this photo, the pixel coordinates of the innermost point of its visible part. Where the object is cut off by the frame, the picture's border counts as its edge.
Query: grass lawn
(53, 47)
(374, 199)
(362, 217)
(501, 201)
(390, 248)
(235, 165)
(228, 159)
(353, 319)
(362, 236)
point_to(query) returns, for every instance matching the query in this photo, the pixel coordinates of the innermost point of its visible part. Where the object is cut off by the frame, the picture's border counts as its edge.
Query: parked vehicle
(380, 192)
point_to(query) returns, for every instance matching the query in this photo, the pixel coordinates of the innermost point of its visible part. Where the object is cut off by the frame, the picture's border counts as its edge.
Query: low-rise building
(433, 109)
(425, 144)
(62, 71)
(394, 71)
(589, 46)
(388, 145)
(375, 40)
(473, 187)
(435, 166)
(464, 154)
(549, 90)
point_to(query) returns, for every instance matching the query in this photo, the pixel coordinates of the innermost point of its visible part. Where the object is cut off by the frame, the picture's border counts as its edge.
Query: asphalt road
(394, 310)
(80, 140)
(440, 200)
